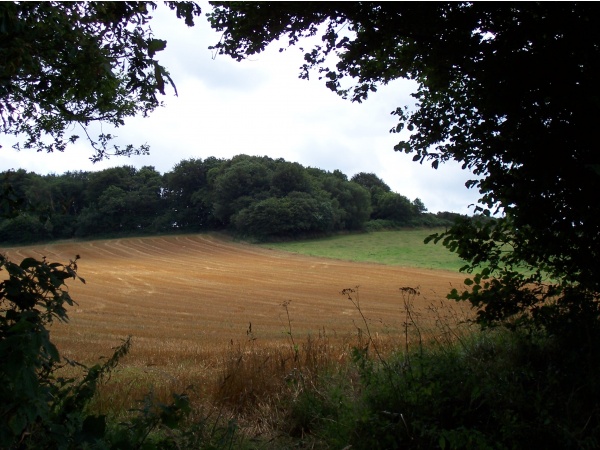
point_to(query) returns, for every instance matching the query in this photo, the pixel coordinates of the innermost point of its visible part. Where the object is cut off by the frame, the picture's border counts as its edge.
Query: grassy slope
(401, 248)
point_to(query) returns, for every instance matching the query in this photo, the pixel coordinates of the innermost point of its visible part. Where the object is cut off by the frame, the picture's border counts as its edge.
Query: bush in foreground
(493, 389)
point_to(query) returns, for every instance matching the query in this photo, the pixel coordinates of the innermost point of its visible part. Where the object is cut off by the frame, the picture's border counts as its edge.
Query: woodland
(256, 198)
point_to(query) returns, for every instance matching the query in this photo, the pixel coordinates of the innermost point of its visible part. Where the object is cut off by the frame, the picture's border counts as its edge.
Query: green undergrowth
(489, 390)
(453, 386)
(398, 247)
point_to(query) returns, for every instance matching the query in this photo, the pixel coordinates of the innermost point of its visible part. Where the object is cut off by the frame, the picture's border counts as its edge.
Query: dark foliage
(256, 197)
(76, 63)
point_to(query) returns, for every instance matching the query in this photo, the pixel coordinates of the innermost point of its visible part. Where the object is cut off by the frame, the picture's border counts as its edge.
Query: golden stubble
(197, 304)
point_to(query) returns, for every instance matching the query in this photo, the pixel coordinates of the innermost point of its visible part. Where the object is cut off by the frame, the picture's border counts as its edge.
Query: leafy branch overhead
(76, 63)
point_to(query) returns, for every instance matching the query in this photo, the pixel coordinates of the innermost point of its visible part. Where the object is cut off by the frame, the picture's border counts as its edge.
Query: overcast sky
(261, 107)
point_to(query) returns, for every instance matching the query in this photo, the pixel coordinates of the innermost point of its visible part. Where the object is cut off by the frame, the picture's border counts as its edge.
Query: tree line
(251, 196)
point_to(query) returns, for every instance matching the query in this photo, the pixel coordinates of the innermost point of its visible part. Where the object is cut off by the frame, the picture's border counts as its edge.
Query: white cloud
(260, 107)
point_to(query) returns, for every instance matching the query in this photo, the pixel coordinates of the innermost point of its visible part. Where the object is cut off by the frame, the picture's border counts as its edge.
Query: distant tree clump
(255, 197)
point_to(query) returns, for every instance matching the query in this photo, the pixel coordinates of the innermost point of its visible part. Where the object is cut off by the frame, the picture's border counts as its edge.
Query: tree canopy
(508, 90)
(252, 196)
(76, 63)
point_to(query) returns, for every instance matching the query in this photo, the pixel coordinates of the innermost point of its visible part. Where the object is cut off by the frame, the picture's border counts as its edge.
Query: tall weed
(457, 387)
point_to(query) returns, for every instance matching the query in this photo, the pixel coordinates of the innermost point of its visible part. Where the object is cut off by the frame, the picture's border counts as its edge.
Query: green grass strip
(399, 248)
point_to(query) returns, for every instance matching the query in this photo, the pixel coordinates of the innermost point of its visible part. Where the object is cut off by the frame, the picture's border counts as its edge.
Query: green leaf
(160, 82)
(17, 423)
(429, 238)
(156, 45)
(28, 263)
(94, 427)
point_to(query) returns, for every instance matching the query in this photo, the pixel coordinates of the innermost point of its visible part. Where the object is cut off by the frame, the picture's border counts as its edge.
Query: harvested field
(186, 298)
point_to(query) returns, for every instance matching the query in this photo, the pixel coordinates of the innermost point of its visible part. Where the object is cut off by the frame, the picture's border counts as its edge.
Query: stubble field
(190, 302)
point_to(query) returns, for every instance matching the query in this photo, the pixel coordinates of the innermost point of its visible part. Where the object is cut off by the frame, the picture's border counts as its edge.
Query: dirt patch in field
(177, 295)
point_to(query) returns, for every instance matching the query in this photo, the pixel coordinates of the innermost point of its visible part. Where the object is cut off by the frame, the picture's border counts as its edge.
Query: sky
(260, 107)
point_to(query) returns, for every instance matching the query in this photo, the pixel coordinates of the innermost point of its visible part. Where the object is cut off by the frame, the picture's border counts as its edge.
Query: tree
(146, 202)
(113, 209)
(64, 64)
(23, 229)
(371, 182)
(419, 206)
(289, 177)
(396, 207)
(511, 92)
(67, 193)
(243, 180)
(99, 182)
(187, 193)
(352, 201)
(295, 214)
(76, 63)
(387, 204)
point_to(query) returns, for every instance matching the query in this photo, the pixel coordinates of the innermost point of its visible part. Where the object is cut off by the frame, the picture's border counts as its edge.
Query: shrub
(23, 229)
(485, 389)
